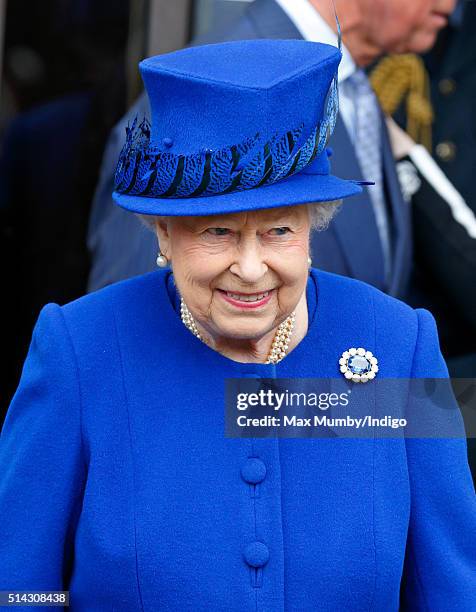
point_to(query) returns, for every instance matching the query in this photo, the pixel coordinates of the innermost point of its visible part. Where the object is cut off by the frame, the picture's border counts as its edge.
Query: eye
(218, 231)
(280, 231)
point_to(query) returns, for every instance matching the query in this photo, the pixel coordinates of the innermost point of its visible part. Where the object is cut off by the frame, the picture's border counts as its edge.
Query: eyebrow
(215, 219)
(281, 218)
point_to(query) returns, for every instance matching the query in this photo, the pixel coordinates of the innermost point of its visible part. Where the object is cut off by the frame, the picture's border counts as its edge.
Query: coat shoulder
(94, 312)
(352, 293)
(406, 336)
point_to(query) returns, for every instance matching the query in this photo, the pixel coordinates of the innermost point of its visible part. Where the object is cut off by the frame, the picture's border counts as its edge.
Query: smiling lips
(246, 300)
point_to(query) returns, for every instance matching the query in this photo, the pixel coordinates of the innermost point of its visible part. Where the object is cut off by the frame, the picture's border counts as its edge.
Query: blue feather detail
(250, 154)
(224, 164)
(137, 138)
(330, 116)
(339, 31)
(165, 172)
(193, 170)
(146, 170)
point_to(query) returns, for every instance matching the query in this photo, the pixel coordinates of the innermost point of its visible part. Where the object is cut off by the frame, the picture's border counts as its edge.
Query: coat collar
(340, 316)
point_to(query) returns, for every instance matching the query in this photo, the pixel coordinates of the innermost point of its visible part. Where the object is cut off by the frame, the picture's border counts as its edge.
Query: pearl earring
(162, 260)
(309, 261)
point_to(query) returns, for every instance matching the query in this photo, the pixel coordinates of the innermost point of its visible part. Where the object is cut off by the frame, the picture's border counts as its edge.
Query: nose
(446, 6)
(249, 264)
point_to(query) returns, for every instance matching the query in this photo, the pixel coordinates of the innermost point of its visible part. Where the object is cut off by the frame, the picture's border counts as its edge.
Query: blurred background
(69, 73)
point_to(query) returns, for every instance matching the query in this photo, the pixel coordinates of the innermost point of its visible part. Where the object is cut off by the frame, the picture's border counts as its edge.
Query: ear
(163, 236)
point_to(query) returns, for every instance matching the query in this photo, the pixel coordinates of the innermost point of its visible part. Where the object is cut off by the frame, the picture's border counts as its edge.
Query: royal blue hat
(235, 126)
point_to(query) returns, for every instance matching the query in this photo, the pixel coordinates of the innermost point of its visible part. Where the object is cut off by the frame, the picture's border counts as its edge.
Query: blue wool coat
(118, 484)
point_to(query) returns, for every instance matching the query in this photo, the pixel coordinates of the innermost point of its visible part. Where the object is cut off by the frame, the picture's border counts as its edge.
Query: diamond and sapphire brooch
(358, 365)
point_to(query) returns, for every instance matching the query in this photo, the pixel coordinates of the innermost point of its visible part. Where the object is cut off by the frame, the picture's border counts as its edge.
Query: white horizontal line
(461, 212)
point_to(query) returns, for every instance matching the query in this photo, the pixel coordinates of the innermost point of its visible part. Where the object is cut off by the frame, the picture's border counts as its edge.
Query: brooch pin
(358, 365)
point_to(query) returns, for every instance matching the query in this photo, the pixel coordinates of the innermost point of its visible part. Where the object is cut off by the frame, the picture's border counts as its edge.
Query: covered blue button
(253, 471)
(256, 554)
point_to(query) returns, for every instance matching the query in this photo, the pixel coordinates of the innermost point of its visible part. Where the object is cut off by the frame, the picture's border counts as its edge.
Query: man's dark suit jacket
(121, 247)
(445, 280)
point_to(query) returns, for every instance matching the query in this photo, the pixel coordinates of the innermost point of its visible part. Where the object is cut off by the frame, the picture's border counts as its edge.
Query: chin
(251, 333)
(423, 42)
(242, 331)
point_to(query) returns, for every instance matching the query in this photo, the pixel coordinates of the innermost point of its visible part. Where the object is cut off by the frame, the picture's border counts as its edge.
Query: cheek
(395, 21)
(291, 265)
(288, 259)
(192, 277)
(189, 252)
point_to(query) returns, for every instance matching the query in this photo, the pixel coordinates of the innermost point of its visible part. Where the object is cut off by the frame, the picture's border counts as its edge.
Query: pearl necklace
(279, 346)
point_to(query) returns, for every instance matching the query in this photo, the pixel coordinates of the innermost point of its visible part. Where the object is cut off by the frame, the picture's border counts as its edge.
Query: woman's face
(240, 274)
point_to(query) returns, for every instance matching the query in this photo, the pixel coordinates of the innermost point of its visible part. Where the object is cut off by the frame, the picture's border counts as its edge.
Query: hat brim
(298, 189)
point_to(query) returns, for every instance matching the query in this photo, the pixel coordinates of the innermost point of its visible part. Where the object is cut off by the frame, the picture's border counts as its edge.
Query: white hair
(320, 214)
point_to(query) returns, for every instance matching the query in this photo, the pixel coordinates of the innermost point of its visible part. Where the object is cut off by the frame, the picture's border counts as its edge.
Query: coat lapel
(355, 226)
(400, 222)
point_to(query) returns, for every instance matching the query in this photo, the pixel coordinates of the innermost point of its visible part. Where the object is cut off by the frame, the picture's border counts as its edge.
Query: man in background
(370, 239)
(431, 98)
(446, 242)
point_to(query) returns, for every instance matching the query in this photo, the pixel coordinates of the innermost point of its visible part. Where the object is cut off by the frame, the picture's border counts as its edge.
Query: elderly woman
(117, 481)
